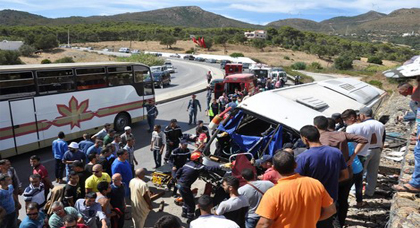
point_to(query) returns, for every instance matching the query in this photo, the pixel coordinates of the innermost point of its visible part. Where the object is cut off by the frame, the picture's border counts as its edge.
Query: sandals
(405, 188)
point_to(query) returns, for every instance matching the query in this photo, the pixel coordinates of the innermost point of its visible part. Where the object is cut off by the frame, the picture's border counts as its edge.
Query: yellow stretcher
(162, 176)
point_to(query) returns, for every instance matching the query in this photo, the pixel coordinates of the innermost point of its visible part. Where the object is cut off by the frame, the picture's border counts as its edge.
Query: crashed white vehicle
(264, 122)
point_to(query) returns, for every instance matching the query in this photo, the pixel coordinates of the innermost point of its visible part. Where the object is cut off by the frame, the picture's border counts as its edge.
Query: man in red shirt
(39, 169)
(70, 221)
(270, 174)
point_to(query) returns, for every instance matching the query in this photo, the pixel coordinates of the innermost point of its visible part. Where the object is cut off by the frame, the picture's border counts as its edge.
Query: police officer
(186, 176)
(178, 157)
(173, 134)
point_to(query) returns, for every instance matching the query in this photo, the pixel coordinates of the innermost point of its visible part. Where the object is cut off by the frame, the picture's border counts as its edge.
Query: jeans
(9, 221)
(158, 157)
(151, 122)
(342, 201)
(415, 179)
(193, 116)
(251, 222)
(358, 182)
(371, 167)
(59, 168)
(188, 207)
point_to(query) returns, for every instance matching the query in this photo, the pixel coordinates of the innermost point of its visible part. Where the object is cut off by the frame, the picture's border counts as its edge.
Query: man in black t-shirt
(72, 190)
(117, 198)
(83, 175)
(103, 160)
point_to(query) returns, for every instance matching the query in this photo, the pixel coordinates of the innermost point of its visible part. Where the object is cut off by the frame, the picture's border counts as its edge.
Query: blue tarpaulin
(252, 144)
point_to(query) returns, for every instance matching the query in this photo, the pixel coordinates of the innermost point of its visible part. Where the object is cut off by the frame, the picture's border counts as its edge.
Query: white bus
(38, 101)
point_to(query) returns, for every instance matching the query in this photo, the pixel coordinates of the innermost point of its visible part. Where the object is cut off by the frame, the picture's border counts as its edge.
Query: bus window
(120, 76)
(14, 85)
(55, 81)
(90, 78)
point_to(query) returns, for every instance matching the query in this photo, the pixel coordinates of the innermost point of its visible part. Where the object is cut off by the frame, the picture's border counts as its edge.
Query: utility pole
(68, 38)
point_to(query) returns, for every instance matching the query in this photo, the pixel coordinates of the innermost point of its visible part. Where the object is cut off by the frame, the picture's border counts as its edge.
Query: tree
(9, 58)
(259, 43)
(271, 32)
(168, 41)
(26, 50)
(343, 63)
(374, 59)
(209, 43)
(239, 38)
(45, 42)
(64, 60)
(221, 40)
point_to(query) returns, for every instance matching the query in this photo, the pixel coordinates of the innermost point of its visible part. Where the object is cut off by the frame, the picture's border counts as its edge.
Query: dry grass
(78, 56)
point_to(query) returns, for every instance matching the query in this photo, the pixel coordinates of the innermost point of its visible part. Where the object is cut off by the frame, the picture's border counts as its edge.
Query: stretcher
(162, 176)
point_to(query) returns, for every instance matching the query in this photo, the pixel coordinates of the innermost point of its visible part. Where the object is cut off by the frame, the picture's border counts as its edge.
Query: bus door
(24, 125)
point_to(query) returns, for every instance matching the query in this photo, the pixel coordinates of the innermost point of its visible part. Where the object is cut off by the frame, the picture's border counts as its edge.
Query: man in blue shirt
(34, 218)
(72, 155)
(95, 148)
(323, 163)
(7, 202)
(121, 166)
(59, 147)
(85, 143)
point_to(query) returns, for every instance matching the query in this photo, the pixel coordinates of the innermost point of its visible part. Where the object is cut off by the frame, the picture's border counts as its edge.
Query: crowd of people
(292, 187)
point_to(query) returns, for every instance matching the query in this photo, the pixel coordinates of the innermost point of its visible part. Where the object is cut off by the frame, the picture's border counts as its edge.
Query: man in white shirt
(236, 207)
(370, 155)
(253, 191)
(207, 219)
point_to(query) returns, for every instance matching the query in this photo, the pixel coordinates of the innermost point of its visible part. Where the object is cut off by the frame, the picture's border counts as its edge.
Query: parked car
(161, 76)
(169, 66)
(223, 63)
(175, 56)
(124, 50)
(189, 57)
(199, 59)
(211, 61)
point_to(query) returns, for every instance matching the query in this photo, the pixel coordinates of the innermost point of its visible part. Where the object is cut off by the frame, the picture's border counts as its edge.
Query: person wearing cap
(127, 134)
(109, 137)
(270, 174)
(192, 109)
(185, 177)
(152, 113)
(177, 159)
(173, 134)
(73, 154)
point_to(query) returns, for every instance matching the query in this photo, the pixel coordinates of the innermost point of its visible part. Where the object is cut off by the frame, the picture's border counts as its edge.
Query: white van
(124, 50)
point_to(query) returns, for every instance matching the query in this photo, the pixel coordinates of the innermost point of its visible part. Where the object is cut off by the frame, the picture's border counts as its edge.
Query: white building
(257, 34)
(10, 45)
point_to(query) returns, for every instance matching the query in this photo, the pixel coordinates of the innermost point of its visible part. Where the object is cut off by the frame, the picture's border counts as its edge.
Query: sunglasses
(96, 171)
(32, 214)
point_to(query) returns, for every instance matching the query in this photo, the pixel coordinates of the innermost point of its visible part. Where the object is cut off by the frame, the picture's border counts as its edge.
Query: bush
(26, 50)
(286, 57)
(236, 54)
(376, 83)
(9, 57)
(299, 66)
(64, 60)
(189, 51)
(46, 42)
(343, 63)
(375, 59)
(315, 65)
(45, 61)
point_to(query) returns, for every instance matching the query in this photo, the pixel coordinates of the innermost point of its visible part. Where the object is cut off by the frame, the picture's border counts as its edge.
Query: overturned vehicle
(266, 121)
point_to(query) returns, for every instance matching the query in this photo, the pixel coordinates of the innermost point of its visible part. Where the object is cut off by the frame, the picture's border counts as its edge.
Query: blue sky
(251, 11)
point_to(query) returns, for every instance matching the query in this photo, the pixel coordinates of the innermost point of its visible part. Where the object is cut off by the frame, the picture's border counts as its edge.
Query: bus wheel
(121, 120)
